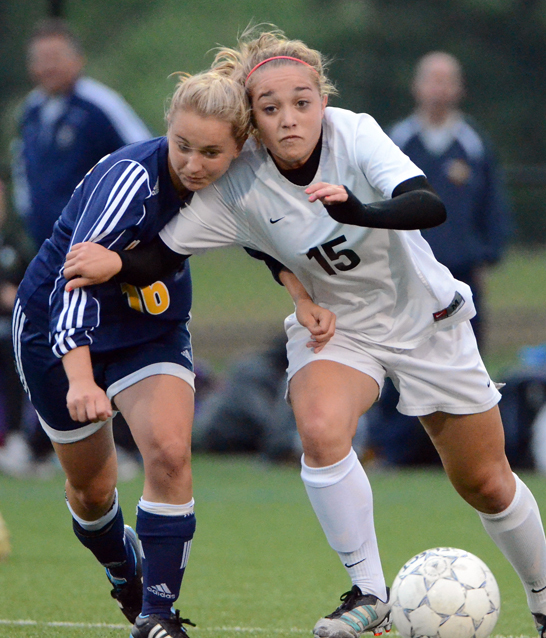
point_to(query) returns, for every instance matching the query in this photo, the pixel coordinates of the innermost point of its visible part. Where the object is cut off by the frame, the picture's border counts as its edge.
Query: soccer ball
(445, 593)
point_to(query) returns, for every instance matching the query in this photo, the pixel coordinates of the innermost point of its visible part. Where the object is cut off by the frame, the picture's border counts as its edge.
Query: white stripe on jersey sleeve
(70, 301)
(69, 340)
(115, 189)
(139, 180)
(126, 122)
(81, 309)
(120, 197)
(134, 175)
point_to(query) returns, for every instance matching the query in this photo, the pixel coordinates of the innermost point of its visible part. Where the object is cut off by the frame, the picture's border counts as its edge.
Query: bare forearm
(77, 365)
(85, 400)
(320, 322)
(294, 286)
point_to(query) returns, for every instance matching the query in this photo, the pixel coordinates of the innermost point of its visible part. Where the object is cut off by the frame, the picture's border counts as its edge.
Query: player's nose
(194, 163)
(288, 118)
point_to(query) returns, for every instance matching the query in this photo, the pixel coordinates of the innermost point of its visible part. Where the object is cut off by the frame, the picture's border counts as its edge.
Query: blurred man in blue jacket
(461, 166)
(69, 122)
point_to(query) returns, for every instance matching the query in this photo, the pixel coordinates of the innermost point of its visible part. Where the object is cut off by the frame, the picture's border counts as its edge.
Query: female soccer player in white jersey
(78, 351)
(327, 194)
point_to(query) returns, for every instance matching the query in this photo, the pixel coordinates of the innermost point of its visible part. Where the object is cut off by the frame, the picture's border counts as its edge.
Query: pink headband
(279, 57)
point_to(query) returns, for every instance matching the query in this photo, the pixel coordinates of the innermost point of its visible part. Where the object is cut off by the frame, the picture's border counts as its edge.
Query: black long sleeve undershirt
(145, 265)
(414, 206)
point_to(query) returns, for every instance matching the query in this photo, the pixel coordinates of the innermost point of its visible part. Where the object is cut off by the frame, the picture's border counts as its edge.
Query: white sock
(341, 497)
(519, 534)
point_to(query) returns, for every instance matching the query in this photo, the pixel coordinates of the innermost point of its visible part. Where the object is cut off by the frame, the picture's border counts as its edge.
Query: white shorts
(444, 374)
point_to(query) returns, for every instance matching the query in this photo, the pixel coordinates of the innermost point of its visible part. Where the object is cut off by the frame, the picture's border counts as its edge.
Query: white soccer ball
(445, 593)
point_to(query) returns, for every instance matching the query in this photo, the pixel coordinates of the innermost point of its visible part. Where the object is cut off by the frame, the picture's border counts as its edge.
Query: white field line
(242, 630)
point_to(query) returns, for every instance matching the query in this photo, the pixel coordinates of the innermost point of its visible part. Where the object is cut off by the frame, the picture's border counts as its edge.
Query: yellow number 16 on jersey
(152, 299)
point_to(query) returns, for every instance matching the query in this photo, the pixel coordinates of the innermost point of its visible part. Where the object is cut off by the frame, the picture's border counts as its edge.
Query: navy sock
(166, 543)
(108, 546)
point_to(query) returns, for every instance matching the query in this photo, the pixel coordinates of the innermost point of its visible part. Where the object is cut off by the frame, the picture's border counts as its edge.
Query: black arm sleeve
(144, 265)
(274, 266)
(414, 205)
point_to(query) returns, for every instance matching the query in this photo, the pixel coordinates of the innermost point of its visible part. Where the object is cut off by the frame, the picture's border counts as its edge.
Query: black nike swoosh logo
(353, 564)
(274, 221)
(537, 591)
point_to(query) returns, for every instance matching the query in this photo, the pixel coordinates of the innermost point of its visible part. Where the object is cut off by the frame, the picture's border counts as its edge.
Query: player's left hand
(88, 264)
(327, 193)
(320, 322)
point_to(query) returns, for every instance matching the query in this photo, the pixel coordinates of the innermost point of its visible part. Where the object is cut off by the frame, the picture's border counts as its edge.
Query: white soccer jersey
(383, 285)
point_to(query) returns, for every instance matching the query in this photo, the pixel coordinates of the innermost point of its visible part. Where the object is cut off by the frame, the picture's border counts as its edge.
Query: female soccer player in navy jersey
(81, 351)
(328, 195)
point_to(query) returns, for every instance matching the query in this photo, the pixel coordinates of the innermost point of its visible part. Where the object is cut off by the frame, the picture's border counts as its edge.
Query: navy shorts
(46, 384)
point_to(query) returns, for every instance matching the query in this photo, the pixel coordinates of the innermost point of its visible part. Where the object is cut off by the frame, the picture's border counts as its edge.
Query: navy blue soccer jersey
(123, 201)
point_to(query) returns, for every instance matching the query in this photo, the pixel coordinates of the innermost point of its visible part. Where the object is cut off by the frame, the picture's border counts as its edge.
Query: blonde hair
(255, 46)
(212, 94)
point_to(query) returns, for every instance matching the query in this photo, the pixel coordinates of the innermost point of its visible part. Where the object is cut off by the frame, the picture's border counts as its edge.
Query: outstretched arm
(320, 322)
(89, 264)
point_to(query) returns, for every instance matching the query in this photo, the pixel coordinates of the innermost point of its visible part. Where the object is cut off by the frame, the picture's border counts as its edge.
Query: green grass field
(259, 565)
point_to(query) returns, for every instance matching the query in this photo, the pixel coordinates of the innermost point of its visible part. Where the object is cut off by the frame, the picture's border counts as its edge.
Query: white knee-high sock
(519, 534)
(341, 496)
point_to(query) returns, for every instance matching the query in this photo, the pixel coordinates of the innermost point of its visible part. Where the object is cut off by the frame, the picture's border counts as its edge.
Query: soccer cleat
(157, 627)
(540, 622)
(358, 613)
(128, 593)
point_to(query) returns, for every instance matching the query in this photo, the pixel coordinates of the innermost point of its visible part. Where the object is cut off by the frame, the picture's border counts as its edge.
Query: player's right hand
(88, 264)
(86, 401)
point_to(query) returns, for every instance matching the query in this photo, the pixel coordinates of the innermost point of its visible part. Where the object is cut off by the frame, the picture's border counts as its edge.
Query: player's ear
(324, 103)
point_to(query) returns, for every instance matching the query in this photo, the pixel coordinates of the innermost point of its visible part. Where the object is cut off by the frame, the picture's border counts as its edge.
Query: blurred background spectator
(24, 448)
(460, 164)
(68, 123)
(15, 255)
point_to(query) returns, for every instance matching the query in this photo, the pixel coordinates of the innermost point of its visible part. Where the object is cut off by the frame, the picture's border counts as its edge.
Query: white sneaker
(358, 613)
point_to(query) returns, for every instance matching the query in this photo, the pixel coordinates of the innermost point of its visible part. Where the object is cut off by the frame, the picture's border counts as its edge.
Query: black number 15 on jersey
(330, 259)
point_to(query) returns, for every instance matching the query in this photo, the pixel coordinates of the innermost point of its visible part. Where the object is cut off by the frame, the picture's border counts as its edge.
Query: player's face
(200, 149)
(54, 64)
(288, 110)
